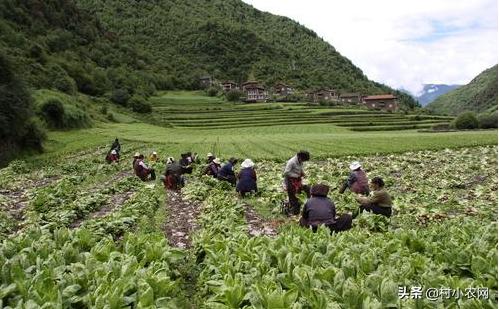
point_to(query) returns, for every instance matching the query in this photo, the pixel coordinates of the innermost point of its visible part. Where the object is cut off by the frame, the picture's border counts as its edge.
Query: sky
(404, 43)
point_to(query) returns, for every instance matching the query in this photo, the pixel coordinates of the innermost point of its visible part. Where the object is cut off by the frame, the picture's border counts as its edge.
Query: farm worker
(293, 174)
(319, 209)
(112, 156)
(193, 157)
(379, 202)
(135, 159)
(213, 168)
(154, 157)
(357, 181)
(116, 146)
(246, 178)
(209, 157)
(185, 163)
(143, 171)
(173, 178)
(227, 172)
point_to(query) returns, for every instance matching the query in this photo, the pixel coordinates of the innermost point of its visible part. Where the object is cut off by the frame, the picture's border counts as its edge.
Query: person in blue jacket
(246, 178)
(226, 173)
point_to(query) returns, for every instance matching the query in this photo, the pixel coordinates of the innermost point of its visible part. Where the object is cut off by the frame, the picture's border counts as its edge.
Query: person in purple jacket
(357, 182)
(320, 210)
(246, 178)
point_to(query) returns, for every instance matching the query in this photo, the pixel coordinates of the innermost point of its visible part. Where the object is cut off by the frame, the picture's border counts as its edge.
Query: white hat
(247, 163)
(170, 160)
(113, 151)
(355, 165)
(209, 155)
(216, 161)
(154, 153)
(136, 154)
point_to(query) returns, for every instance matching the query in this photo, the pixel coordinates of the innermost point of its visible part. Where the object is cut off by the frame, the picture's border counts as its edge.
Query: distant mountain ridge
(431, 92)
(479, 96)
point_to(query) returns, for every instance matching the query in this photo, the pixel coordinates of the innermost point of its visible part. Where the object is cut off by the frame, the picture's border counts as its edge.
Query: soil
(257, 226)
(182, 219)
(18, 200)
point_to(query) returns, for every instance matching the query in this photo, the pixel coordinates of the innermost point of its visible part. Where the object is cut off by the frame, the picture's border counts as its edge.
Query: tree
(466, 121)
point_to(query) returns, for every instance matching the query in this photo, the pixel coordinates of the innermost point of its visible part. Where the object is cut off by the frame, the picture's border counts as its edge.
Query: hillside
(480, 95)
(431, 92)
(97, 46)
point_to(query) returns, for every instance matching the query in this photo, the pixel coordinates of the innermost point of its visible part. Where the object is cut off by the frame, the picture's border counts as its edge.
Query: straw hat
(155, 153)
(355, 165)
(209, 155)
(247, 163)
(136, 155)
(216, 161)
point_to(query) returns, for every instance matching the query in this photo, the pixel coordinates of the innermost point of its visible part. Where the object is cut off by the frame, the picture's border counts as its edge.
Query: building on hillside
(205, 81)
(350, 98)
(254, 92)
(326, 95)
(282, 89)
(386, 102)
(229, 85)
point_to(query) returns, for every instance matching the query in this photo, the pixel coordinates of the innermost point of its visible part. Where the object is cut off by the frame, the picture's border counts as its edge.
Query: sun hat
(170, 160)
(137, 154)
(355, 165)
(113, 151)
(247, 163)
(216, 161)
(154, 153)
(209, 155)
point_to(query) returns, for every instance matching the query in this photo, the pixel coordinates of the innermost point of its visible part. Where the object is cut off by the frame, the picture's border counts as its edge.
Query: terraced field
(181, 110)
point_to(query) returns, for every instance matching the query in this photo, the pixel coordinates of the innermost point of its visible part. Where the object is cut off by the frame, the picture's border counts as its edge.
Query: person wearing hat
(143, 171)
(246, 178)
(135, 159)
(209, 158)
(185, 162)
(379, 202)
(357, 181)
(226, 173)
(154, 157)
(112, 156)
(173, 178)
(212, 168)
(320, 210)
(293, 175)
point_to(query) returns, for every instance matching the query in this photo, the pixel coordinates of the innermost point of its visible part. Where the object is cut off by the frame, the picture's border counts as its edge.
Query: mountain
(432, 91)
(95, 46)
(480, 95)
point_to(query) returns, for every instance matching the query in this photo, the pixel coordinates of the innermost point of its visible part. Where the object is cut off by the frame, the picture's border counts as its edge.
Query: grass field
(77, 232)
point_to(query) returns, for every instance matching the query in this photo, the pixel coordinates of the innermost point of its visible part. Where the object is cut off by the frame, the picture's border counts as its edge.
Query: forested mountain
(480, 95)
(431, 92)
(97, 46)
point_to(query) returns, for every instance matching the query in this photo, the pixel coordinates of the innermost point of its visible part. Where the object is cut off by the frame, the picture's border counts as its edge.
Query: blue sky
(403, 44)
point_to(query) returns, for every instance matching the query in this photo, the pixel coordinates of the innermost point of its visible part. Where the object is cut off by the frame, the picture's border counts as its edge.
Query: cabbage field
(79, 233)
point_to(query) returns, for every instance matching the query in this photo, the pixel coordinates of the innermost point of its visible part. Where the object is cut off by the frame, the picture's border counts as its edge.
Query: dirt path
(257, 226)
(181, 219)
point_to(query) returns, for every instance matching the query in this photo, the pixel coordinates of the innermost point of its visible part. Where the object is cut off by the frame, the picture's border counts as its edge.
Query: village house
(282, 89)
(322, 95)
(229, 85)
(387, 102)
(350, 98)
(205, 81)
(254, 92)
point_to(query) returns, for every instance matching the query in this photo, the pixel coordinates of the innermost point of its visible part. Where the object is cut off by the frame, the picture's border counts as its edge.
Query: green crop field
(77, 232)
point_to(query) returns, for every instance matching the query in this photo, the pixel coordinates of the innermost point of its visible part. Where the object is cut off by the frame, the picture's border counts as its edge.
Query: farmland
(78, 233)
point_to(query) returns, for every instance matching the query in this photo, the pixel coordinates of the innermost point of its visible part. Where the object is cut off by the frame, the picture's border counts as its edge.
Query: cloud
(403, 43)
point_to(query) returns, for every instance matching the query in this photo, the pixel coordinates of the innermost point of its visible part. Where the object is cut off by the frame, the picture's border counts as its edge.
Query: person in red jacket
(143, 171)
(357, 182)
